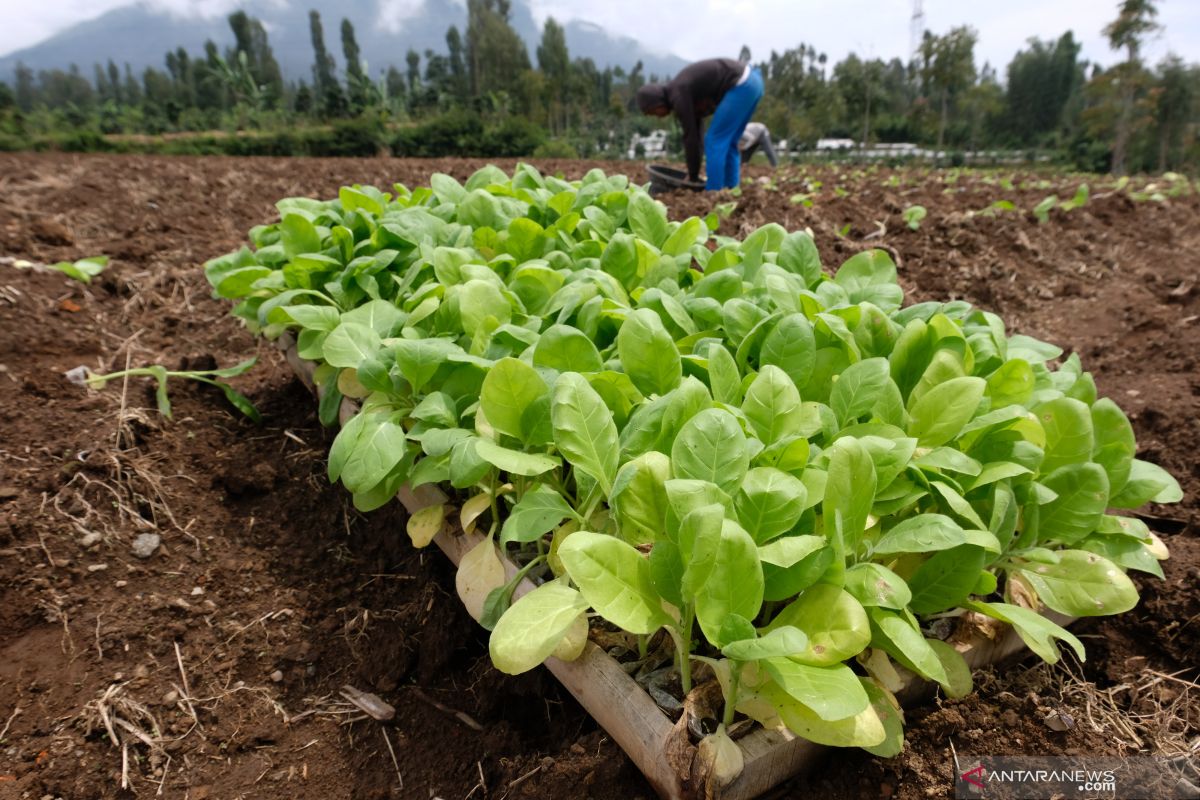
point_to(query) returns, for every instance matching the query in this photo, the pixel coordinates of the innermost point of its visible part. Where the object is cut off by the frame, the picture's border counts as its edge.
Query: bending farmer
(755, 136)
(727, 89)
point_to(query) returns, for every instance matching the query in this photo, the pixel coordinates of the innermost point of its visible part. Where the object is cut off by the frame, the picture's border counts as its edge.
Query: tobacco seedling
(913, 215)
(85, 377)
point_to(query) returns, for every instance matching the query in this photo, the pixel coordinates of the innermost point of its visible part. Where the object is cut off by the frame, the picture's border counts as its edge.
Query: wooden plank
(626, 711)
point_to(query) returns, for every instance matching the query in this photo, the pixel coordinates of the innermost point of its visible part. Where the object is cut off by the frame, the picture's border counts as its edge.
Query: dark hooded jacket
(693, 94)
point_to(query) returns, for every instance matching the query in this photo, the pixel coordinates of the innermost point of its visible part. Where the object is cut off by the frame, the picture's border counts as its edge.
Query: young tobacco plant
(786, 470)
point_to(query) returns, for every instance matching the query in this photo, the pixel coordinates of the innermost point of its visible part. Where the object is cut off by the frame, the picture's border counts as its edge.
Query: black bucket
(668, 179)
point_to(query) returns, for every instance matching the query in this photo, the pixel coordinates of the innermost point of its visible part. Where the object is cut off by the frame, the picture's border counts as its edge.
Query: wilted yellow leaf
(425, 524)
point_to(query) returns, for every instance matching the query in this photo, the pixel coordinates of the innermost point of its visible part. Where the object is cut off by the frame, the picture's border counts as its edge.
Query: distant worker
(727, 89)
(754, 137)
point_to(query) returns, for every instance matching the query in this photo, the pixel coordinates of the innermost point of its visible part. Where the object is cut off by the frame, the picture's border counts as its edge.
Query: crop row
(790, 473)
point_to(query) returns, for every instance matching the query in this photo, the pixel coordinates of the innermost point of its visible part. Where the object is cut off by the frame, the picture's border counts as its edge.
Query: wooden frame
(628, 713)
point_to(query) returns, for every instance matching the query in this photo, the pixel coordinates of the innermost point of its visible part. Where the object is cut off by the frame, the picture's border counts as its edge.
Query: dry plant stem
(186, 693)
(392, 752)
(461, 716)
(166, 768)
(11, 717)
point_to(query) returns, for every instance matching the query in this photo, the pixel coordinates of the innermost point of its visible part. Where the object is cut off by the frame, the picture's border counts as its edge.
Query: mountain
(142, 33)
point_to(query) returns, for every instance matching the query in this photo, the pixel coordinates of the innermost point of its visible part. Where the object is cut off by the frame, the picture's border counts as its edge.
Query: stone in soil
(145, 544)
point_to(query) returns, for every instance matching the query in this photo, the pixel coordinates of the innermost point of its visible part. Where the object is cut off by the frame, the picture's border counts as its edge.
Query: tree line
(480, 93)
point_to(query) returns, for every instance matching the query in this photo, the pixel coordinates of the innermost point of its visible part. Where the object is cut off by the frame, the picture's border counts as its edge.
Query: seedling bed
(630, 715)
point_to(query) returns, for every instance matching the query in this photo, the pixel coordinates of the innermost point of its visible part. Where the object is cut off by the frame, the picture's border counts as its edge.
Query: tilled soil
(269, 593)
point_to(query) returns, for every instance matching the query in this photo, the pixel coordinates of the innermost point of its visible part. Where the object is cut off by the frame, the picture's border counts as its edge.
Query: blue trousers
(724, 163)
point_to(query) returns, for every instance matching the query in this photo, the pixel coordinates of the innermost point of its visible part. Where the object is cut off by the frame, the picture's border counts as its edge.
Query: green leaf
(862, 730)
(355, 200)
(798, 254)
(923, 533)
(566, 349)
(533, 626)
(769, 503)
(858, 389)
(647, 353)
(888, 712)
(772, 405)
(84, 269)
(515, 462)
(648, 219)
(510, 388)
(1011, 383)
(1036, 631)
(940, 414)
(876, 585)
(1069, 436)
(351, 343)
(699, 541)
(1082, 491)
(320, 318)
(832, 692)
(836, 624)
(791, 346)
(724, 379)
(871, 276)
(958, 672)
(378, 315)
(538, 512)
(1147, 482)
(791, 564)
(779, 643)
(734, 585)
(711, 447)
(895, 634)
(1114, 447)
(615, 580)
(690, 232)
(849, 494)
(639, 497)
(420, 359)
(379, 446)
(584, 430)
(1081, 584)
(298, 235)
(946, 579)
(479, 300)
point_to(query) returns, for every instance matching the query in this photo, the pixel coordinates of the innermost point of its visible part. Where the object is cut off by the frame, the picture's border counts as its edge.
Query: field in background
(278, 593)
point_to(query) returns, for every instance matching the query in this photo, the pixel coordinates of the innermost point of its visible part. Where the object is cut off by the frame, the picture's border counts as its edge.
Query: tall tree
(413, 59)
(947, 70)
(458, 65)
(496, 55)
(860, 84)
(114, 80)
(555, 65)
(250, 37)
(1134, 22)
(24, 90)
(356, 81)
(328, 91)
(1175, 106)
(1041, 81)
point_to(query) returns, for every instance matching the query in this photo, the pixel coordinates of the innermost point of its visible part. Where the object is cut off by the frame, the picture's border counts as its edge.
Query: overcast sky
(697, 29)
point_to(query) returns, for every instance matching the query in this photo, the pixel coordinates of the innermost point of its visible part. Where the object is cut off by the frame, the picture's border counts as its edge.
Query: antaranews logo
(974, 776)
(1077, 778)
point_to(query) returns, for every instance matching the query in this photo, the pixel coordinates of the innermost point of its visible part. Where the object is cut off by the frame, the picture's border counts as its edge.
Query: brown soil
(269, 592)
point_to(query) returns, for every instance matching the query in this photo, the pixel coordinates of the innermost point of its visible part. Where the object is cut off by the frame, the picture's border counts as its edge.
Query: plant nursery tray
(629, 714)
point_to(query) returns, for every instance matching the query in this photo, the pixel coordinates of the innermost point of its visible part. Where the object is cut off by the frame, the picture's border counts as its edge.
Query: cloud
(695, 29)
(874, 28)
